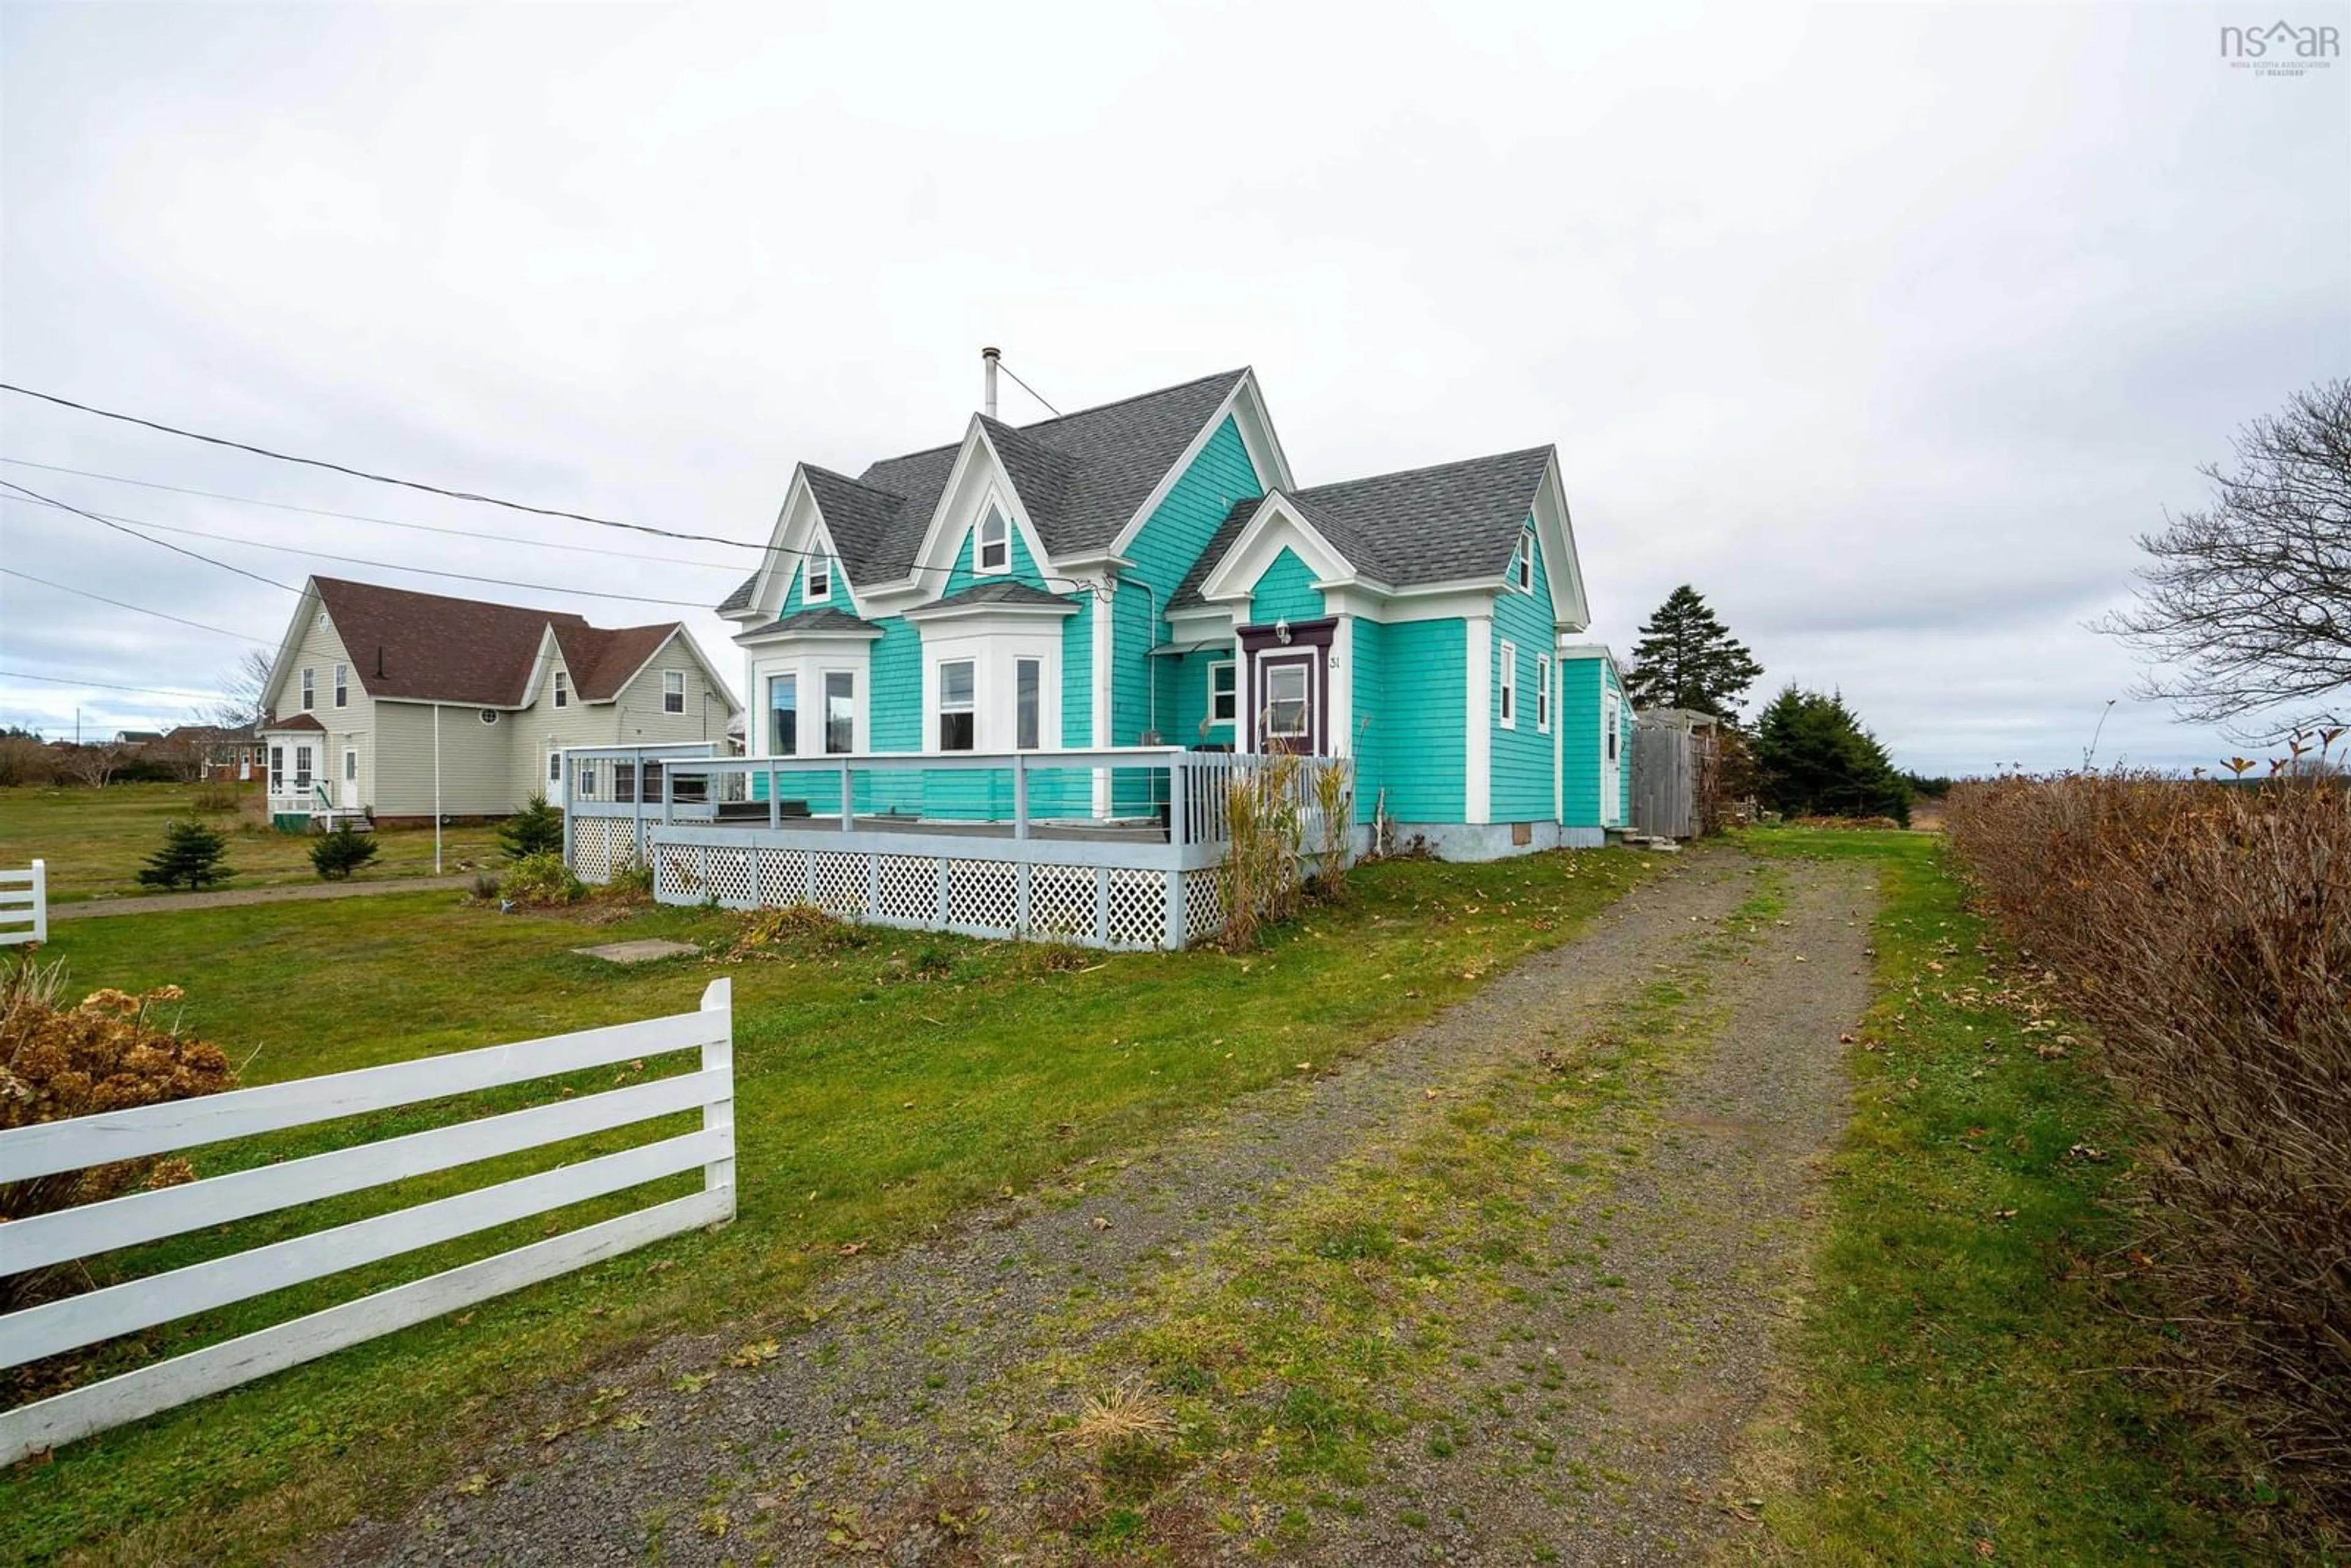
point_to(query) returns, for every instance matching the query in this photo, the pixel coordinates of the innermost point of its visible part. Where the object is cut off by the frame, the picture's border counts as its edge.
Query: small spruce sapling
(338, 854)
(536, 830)
(191, 854)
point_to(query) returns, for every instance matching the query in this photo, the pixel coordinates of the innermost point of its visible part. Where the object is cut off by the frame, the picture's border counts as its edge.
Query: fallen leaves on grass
(754, 1353)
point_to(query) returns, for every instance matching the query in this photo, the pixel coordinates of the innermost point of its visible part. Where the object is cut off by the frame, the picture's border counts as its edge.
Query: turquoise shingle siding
(963, 574)
(1623, 751)
(1579, 712)
(894, 714)
(1521, 780)
(1185, 694)
(1423, 689)
(1285, 591)
(1162, 551)
(1369, 689)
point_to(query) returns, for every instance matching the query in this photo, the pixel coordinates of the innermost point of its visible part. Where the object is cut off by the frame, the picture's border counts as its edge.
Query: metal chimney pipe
(989, 357)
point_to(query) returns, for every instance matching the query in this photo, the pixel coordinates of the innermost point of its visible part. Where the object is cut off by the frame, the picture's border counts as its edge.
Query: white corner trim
(1105, 617)
(1478, 736)
(1341, 720)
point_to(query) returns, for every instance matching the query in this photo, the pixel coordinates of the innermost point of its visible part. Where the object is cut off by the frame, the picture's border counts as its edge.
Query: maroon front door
(1288, 692)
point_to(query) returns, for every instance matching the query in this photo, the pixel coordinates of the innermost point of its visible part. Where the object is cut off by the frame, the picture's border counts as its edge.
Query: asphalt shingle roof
(434, 648)
(1424, 525)
(1080, 477)
(813, 621)
(1003, 591)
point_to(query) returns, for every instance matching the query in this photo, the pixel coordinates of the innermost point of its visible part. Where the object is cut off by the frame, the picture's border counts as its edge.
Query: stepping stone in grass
(643, 951)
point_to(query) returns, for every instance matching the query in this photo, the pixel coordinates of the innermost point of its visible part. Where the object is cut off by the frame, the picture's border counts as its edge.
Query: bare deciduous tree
(94, 764)
(2246, 608)
(243, 691)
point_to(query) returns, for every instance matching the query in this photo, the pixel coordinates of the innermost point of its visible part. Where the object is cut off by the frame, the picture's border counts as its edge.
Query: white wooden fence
(24, 905)
(73, 1321)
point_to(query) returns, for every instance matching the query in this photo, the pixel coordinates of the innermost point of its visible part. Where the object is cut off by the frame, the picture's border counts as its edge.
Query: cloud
(1888, 328)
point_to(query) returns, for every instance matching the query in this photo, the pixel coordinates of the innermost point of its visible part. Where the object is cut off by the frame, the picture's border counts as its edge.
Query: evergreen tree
(536, 830)
(338, 854)
(1816, 760)
(1687, 658)
(191, 854)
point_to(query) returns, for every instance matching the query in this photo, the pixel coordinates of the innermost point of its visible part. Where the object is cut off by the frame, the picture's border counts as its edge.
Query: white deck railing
(24, 905)
(54, 1328)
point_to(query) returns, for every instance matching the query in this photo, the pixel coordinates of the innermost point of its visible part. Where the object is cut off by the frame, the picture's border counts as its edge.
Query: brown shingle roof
(429, 647)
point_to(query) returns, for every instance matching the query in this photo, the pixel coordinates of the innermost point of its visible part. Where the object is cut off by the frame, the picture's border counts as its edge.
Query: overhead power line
(105, 685)
(138, 609)
(350, 517)
(372, 477)
(360, 560)
(1024, 386)
(134, 533)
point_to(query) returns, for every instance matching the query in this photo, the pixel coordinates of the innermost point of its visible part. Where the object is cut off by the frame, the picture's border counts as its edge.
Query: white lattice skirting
(1095, 906)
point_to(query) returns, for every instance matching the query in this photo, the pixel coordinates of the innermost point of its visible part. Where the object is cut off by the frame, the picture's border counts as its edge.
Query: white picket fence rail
(73, 1321)
(25, 904)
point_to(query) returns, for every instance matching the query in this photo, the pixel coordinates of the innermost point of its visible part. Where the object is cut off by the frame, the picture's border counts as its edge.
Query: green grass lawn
(95, 840)
(1960, 1398)
(886, 1081)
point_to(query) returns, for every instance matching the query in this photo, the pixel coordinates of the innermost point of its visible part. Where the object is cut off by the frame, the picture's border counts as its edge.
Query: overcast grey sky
(1886, 326)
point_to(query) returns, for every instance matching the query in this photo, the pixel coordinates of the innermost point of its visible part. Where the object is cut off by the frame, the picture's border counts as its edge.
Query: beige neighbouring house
(388, 704)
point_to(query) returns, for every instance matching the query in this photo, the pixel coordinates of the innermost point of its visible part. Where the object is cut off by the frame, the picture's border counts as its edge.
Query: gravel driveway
(1554, 1367)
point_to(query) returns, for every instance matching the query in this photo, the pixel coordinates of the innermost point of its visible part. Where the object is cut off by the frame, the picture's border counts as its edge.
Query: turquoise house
(1150, 572)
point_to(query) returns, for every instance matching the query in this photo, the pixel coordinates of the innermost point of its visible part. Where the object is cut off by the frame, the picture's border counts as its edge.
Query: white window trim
(994, 510)
(1234, 695)
(824, 710)
(343, 685)
(309, 691)
(1018, 744)
(1526, 562)
(942, 707)
(1510, 689)
(667, 676)
(1542, 693)
(563, 689)
(768, 680)
(1304, 671)
(816, 577)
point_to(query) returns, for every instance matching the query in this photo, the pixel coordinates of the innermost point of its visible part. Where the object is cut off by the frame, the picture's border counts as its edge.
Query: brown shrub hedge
(2205, 929)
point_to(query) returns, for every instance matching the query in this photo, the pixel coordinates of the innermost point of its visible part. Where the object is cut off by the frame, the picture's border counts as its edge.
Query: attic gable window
(563, 689)
(1523, 568)
(820, 577)
(995, 543)
(343, 685)
(673, 691)
(310, 690)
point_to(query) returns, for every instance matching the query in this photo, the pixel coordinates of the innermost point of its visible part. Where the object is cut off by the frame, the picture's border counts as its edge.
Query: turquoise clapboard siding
(1285, 591)
(1578, 712)
(1185, 694)
(1521, 780)
(1421, 694)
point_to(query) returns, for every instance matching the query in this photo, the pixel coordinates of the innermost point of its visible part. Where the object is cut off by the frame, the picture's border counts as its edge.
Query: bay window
(957, 714)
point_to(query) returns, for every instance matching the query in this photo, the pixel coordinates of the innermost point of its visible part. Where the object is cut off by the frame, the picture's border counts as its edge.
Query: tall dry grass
(2205, 929)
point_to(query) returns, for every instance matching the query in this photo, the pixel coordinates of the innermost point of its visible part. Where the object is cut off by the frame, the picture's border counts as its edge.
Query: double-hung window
(310, 690)
(563, 689)
(673, 691)
(1524, 567)
(343, 685)
(840, 712)
(277, 770)
(820, 577)
(995, 542)
(1510, 684)
(1224, 692)
(301, 769)
(783, 716)
(1285, 701)
(958, 718)
(1542, 692)
(1028, 703)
